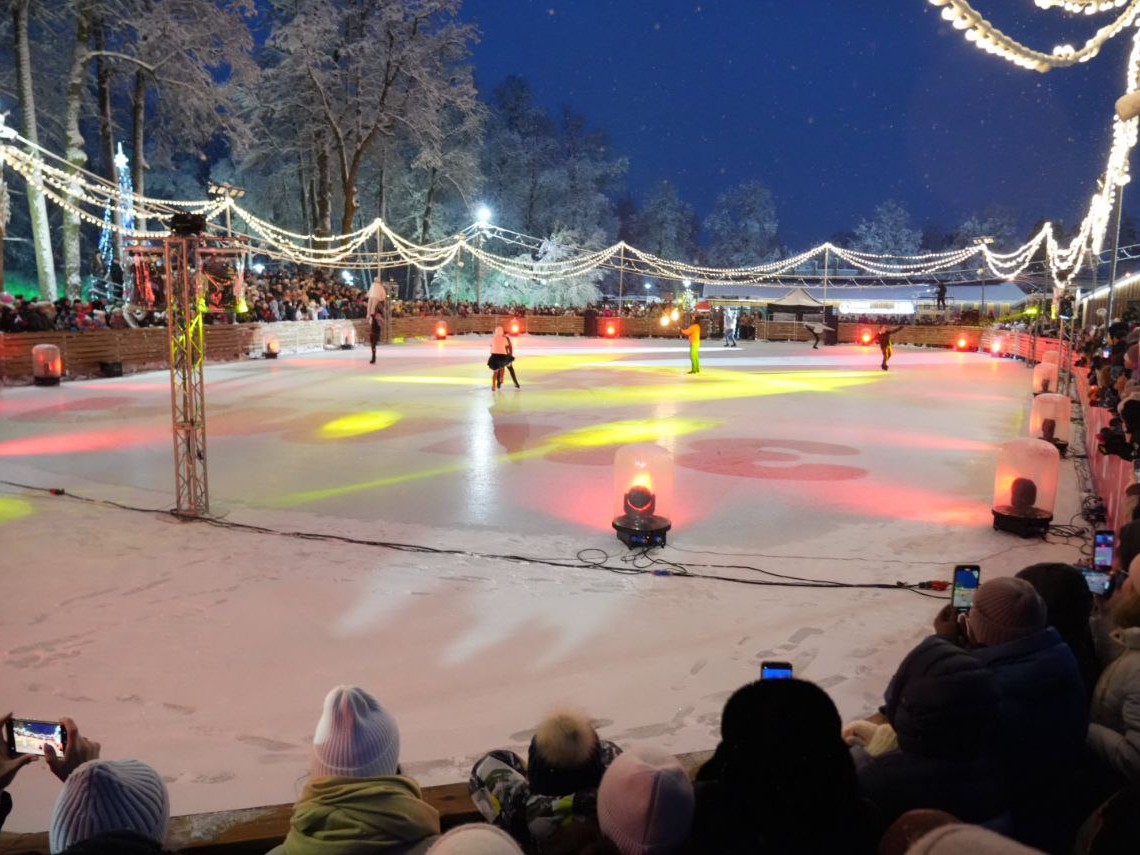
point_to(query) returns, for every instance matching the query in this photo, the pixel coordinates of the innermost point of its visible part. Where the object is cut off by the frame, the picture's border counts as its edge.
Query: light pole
(1115, 252)
(482, 221)
(982, 242)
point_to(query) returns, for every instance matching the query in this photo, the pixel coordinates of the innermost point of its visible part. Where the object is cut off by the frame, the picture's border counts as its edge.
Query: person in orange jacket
(693, 331)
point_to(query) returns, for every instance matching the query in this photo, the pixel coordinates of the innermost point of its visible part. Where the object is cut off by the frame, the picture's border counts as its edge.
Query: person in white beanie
(109, 795)
(477, 838)
(78, 751)
(646, 803)
(356, 800)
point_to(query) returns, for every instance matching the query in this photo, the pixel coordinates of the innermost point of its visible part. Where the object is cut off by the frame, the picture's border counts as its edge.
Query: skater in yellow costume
(693, 331)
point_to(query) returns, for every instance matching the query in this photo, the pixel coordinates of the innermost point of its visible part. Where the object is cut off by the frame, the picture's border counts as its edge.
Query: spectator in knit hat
(109, 795)
(1114, 730)
(646, 803)
(781, 779)
(356, 799)
(553, 791)
(942, 705)
(476, 838)
(1044, 712)
(1068, 609)
(955, 838)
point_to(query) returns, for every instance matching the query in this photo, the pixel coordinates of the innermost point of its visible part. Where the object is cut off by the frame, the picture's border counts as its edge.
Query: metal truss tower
(187, 375)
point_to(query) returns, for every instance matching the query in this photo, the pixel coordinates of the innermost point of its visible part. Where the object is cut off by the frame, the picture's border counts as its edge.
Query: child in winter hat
(356, 737)
(565, 755)
(645, 803)
(1004, 610)
(109, 795)
(477, 838)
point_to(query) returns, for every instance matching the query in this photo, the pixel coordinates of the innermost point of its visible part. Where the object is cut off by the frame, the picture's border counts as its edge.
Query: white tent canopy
(797, 297)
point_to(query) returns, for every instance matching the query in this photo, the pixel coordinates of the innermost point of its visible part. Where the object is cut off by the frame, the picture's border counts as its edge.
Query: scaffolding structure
(193, 274)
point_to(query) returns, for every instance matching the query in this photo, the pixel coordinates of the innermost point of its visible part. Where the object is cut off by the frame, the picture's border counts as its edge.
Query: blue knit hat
(109, 795)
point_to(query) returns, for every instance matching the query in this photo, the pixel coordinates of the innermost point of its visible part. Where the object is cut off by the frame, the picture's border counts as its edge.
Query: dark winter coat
(1042, 725)
(943, 705)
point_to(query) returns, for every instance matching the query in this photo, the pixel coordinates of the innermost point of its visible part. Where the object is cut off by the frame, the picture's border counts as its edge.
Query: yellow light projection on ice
(12, 509)
(358, 424)
(611, 433)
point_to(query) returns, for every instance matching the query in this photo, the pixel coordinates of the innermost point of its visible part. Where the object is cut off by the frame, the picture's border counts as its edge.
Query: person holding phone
(693, 333)
(78, 750)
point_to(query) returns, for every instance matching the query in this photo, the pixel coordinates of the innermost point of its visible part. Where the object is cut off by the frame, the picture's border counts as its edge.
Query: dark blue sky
(835, 104)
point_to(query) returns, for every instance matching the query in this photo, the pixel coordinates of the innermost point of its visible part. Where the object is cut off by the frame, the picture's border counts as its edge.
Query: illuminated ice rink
(207, 651)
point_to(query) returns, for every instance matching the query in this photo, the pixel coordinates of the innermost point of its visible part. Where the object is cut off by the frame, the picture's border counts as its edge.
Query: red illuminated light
(866, 337)
(514, 328)
(995, 347)
(441, 331)
(961, 344)
(611, 330)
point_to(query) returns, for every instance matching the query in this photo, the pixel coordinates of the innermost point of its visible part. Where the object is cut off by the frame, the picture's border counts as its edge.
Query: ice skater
(816, 331)
(693, 332)
(884, 340)
(730, 313)
(376, 321)
(511, 364)
(500, 358)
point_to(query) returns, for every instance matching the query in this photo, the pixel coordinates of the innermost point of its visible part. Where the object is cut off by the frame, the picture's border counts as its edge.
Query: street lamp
(483, 216)
(228, 191)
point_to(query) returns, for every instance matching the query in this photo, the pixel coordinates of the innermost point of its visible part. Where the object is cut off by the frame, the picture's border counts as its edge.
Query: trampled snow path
(207, 651)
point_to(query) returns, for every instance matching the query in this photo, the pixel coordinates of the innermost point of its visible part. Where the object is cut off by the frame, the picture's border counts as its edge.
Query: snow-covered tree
(665, 225)
(544, 176)
(887, 232)
(742, 227)
(996, 222)
(29, 129)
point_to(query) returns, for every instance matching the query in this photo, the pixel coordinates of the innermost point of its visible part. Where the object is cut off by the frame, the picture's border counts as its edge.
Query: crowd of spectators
(1013, 727)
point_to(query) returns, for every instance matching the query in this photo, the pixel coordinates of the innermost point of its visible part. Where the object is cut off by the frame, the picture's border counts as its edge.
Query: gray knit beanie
(356, 737)
(109, 795)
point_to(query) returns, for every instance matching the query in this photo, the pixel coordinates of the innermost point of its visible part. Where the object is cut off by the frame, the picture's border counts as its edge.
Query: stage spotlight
(643, 491)
(1049, 420)
(272, 347)
(514, 328)
(1044, 377)
(664, 321)
(1025, 487)
(675, 314)
(47, 365)
(866, 337)
(995, 348)
(962, 344)
(348, 342)
(440, 331)
(610, 330)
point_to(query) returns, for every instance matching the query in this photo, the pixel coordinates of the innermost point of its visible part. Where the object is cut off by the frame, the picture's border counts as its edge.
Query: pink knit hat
(645, 803)
(356, 737)
(1004, 610)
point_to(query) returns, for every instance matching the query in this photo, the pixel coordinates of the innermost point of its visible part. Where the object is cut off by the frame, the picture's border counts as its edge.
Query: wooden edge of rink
(259, 829)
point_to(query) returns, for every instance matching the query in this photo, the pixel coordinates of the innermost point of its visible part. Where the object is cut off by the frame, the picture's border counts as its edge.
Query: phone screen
(1099, 582)
(1103, 543)
(966, 580)
(775, 671)
(29, 736)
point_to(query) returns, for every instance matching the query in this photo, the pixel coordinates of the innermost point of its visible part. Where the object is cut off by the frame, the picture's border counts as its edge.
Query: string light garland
(77, 190)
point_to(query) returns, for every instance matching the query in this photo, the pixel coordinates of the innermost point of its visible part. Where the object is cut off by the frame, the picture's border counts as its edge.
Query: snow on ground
(207, 651)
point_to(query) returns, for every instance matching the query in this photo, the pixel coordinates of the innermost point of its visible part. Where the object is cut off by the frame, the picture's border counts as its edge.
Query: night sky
(835, 104)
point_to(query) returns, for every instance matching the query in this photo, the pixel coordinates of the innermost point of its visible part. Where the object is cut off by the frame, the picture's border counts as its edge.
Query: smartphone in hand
(967, 577)
(30, 736)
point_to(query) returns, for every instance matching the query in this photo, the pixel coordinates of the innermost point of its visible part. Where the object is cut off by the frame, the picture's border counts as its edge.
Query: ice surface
(207, 652)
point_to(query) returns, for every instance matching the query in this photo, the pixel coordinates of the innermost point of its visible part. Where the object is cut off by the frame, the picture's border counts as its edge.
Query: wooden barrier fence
(146, 349)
